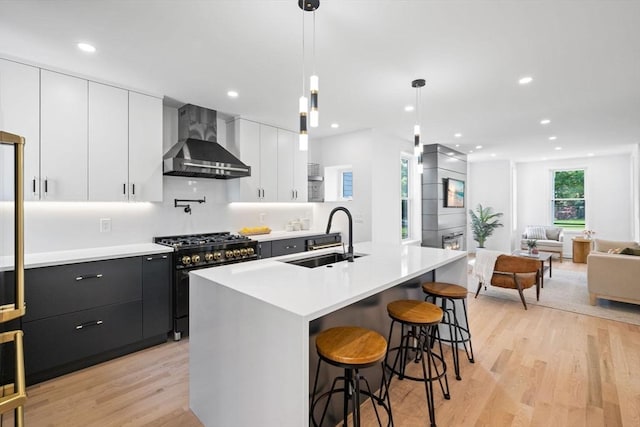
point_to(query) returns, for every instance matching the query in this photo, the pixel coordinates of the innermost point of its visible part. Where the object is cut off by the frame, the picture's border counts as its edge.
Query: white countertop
(314, 292)
(46, 259)
(276, 235)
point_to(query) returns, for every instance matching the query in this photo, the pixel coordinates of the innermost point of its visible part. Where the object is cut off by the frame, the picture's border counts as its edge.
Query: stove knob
(195, 259)
(186, 260)
(250, 251)
(208, 257)
(243, 252)
(236, 253)
(217, 255)
(228, 254)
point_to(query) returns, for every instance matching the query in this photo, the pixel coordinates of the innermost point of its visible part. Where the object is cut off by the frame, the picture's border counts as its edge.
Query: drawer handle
(291, 247)
(152, 258)
(91, 276)
(88, 324)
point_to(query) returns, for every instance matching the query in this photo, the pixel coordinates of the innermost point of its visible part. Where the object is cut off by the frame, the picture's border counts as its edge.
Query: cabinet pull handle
(296, 194)
(46, 185)
(152, 258)
(262, 192)
(133, 189)
(34, 185)
(124, 188)
(290, 247)
(88, 324)
(91, 276)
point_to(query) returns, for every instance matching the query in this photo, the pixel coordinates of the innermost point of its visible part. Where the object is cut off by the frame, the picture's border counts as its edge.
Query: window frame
(553, 198)
(342, 173)
(409, 199)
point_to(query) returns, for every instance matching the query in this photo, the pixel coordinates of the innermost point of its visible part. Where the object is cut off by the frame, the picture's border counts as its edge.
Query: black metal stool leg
(453, 335)
(466, 320)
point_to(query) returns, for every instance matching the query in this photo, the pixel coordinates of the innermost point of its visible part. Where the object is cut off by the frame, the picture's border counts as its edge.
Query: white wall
(375, 158)
(635, 190)
(609, 193)
(490, 184)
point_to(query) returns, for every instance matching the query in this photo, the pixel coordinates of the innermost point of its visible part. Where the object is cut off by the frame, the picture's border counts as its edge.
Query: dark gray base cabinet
(86, 313)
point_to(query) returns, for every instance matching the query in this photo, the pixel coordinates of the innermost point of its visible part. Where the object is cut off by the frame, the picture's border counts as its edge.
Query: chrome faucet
(346, 211)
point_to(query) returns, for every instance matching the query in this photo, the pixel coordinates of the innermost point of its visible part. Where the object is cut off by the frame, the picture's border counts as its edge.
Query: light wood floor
(541, 367)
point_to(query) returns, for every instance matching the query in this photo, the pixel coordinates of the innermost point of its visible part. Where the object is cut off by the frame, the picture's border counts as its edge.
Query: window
(347, 185)
(568, 204)
(404, 197)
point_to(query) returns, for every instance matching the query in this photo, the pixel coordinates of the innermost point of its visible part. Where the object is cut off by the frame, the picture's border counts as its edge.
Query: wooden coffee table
(542, 257)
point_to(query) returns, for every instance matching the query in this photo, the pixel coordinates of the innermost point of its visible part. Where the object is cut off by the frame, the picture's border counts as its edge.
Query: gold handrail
(17, 392)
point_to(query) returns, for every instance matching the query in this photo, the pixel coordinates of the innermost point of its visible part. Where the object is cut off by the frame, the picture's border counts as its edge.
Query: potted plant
(532, 244)
(483, 222)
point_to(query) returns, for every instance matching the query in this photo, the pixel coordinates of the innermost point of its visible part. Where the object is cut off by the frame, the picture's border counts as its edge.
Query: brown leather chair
(514, 272)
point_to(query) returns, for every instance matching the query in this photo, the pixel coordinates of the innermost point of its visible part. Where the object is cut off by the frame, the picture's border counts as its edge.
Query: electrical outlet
(105, 225)
(262, 216)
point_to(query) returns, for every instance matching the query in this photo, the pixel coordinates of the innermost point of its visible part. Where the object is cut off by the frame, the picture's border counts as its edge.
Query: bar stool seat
(419, 330)
(351, 348)
(449, 293)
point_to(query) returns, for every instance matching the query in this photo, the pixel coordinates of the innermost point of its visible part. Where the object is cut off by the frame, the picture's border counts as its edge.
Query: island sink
(320, 260)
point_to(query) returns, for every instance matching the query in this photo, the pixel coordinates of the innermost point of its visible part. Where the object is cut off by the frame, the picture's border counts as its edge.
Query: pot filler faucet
(346, 211)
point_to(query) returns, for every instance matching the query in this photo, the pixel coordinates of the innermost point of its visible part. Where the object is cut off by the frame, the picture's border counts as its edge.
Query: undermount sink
(320, 260)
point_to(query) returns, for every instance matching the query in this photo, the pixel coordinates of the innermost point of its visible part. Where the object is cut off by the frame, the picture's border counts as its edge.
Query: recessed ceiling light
(232, 94)
(470, 151)
(525, 80)
(553, 138)
(457, 145)
(590, 154)
(478, 147)
(335, 125)
(408, 108)
(493, 154)
(545, 121)
(450, 153)
(86, 47)
(558, 148)
(457, 135)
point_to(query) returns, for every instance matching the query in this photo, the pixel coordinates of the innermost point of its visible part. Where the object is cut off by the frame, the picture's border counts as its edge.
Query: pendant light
(417, 146)
(303, 102)
(314, 81)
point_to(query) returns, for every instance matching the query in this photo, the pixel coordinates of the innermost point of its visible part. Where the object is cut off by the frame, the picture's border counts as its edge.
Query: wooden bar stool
(351, 348)
(458, 334)
(419, 330)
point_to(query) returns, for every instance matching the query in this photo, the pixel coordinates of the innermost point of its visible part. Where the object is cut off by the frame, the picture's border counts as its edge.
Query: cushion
(614, 251)
(604, 245)
(553, 233)
(630, 251)
(537, 233)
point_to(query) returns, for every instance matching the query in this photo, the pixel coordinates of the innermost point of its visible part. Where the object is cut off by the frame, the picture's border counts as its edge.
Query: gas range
(192, 252)
(210, 249)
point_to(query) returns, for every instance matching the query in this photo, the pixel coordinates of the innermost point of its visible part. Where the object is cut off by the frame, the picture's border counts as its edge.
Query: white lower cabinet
(63, 132)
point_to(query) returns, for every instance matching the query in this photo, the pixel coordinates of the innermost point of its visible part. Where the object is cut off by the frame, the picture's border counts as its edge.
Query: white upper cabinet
(256, 145)
(63, 130)
(269, 163)
(145, 148)
(292, 168)
(20, 114)
(108, 143)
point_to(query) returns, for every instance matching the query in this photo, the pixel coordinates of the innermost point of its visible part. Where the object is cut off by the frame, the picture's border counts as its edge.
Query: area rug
(566, 290)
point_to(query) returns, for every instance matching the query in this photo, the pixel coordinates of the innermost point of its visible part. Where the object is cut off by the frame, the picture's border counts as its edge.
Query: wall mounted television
(454, 193)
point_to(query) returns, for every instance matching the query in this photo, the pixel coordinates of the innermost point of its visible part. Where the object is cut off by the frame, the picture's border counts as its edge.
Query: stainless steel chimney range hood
(197, 152)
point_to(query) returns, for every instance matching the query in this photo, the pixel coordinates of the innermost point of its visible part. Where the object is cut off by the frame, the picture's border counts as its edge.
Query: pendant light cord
(303, 77)
(314, 41)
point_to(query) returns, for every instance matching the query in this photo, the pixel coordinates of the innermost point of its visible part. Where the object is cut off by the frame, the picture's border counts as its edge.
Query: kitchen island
(249, 349)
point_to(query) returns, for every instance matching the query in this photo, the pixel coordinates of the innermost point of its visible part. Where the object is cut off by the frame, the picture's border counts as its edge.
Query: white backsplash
(52, 226)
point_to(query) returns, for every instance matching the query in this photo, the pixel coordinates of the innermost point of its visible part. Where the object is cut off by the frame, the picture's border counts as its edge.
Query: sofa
(548, 238)
(611, 275)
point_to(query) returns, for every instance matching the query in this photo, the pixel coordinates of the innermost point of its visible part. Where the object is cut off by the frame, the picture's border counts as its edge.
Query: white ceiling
(584, 57)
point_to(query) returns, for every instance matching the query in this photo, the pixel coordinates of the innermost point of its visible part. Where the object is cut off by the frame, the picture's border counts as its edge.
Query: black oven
(193, 252)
